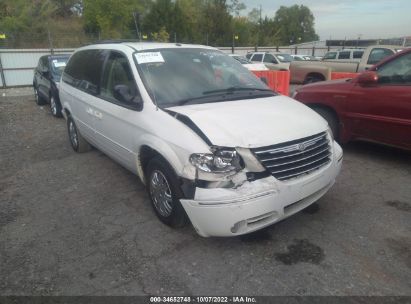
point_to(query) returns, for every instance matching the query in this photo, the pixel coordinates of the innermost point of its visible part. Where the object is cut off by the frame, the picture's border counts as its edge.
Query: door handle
(94, 113)
(98, 115)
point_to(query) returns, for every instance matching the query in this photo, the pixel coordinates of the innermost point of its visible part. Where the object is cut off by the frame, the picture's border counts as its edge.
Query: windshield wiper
(234, 89)
(219, 94)
(187, 100)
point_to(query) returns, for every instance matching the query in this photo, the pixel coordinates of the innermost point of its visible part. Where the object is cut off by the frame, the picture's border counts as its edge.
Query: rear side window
(344, 55)
(270, 58)
(257, 57)
(330, 55)
(40, 64)
(44, 63)
(84, 70)
(357, 54)
(377, 55)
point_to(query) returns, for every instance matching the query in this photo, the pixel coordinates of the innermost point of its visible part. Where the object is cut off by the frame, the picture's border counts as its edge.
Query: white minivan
(211, 142)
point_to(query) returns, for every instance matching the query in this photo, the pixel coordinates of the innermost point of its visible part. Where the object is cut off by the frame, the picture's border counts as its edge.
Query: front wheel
(55, 106)
(39, 100)
(165, 193)
(77, 141)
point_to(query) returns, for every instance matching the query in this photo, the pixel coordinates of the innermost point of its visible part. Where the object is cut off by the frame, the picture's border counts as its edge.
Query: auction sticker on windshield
(149, 57)
(59, 64)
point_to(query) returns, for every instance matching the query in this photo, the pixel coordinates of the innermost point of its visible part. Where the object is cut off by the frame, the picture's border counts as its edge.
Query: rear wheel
(165, 193)
(313, 78)
(39, 100)
(331, 118)
(55, 106)
(77, 141)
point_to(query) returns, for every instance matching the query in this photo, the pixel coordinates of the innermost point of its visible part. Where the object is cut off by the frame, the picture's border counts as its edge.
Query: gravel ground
(79, 224)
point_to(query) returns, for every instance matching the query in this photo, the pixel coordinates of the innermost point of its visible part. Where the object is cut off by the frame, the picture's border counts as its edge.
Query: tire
(77, 141)
(55, 106)
(164, 193)
(39, 100)
(332, 120)
(312, 79)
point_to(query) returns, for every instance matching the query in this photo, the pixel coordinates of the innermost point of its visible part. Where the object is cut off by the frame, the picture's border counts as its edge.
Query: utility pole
(135, 17)
(50, 40)
(358, 40)
(261, 23)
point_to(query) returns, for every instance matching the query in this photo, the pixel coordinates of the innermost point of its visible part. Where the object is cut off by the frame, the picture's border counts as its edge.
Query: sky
(339, 19)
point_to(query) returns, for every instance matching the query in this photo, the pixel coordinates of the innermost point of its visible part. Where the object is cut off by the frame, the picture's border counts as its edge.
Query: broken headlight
(220, 161)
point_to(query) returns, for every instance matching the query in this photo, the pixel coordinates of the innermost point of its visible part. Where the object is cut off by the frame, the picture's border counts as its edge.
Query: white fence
(315, 50)
(17, 65)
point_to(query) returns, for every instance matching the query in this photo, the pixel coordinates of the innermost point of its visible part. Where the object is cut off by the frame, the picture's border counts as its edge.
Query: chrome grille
(294, 158)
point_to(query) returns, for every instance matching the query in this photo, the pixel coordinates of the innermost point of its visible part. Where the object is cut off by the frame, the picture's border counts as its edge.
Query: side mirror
(273, 61)
(264, 79)
(123, 94)
(368, 78)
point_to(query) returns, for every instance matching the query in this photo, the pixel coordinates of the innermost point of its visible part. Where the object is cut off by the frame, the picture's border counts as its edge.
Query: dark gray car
(47, 76)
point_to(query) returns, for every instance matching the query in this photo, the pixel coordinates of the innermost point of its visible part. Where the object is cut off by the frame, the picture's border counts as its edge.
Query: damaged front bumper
(256, 204)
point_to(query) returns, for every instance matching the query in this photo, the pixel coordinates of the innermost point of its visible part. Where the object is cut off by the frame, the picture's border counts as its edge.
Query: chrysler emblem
(301, 147)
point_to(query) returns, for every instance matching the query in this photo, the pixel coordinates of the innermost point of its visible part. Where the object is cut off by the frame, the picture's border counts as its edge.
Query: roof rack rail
(114, 41)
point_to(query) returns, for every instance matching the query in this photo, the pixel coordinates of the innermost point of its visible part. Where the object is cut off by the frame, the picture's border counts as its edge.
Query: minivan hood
(254, 122)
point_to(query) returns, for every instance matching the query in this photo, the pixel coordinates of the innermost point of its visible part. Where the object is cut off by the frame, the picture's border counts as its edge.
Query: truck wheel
(331, 118)
(164, 192)
(312, 79)
(77, 141)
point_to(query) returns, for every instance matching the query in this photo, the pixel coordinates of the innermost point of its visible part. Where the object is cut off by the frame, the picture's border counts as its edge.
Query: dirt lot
(79, 224)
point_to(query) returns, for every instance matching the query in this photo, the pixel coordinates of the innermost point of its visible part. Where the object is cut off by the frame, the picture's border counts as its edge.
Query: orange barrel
(279, 81)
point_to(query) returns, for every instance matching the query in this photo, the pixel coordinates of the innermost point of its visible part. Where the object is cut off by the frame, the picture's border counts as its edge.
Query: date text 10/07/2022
(233, 299)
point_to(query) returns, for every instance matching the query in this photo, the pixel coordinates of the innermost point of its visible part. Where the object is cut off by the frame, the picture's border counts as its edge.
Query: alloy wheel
(36, 95)
(53, 106)
(73, 134)
(161, 193)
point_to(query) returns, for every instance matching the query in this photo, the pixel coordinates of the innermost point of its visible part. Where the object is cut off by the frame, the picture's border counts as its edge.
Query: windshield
(58, 65)
(284, 57)
(181, 76)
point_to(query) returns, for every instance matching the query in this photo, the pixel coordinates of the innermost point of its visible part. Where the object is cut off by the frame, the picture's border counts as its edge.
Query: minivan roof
(139, 46)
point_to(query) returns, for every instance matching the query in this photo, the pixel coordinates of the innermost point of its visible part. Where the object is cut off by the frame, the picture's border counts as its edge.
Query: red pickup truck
(374, 106)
